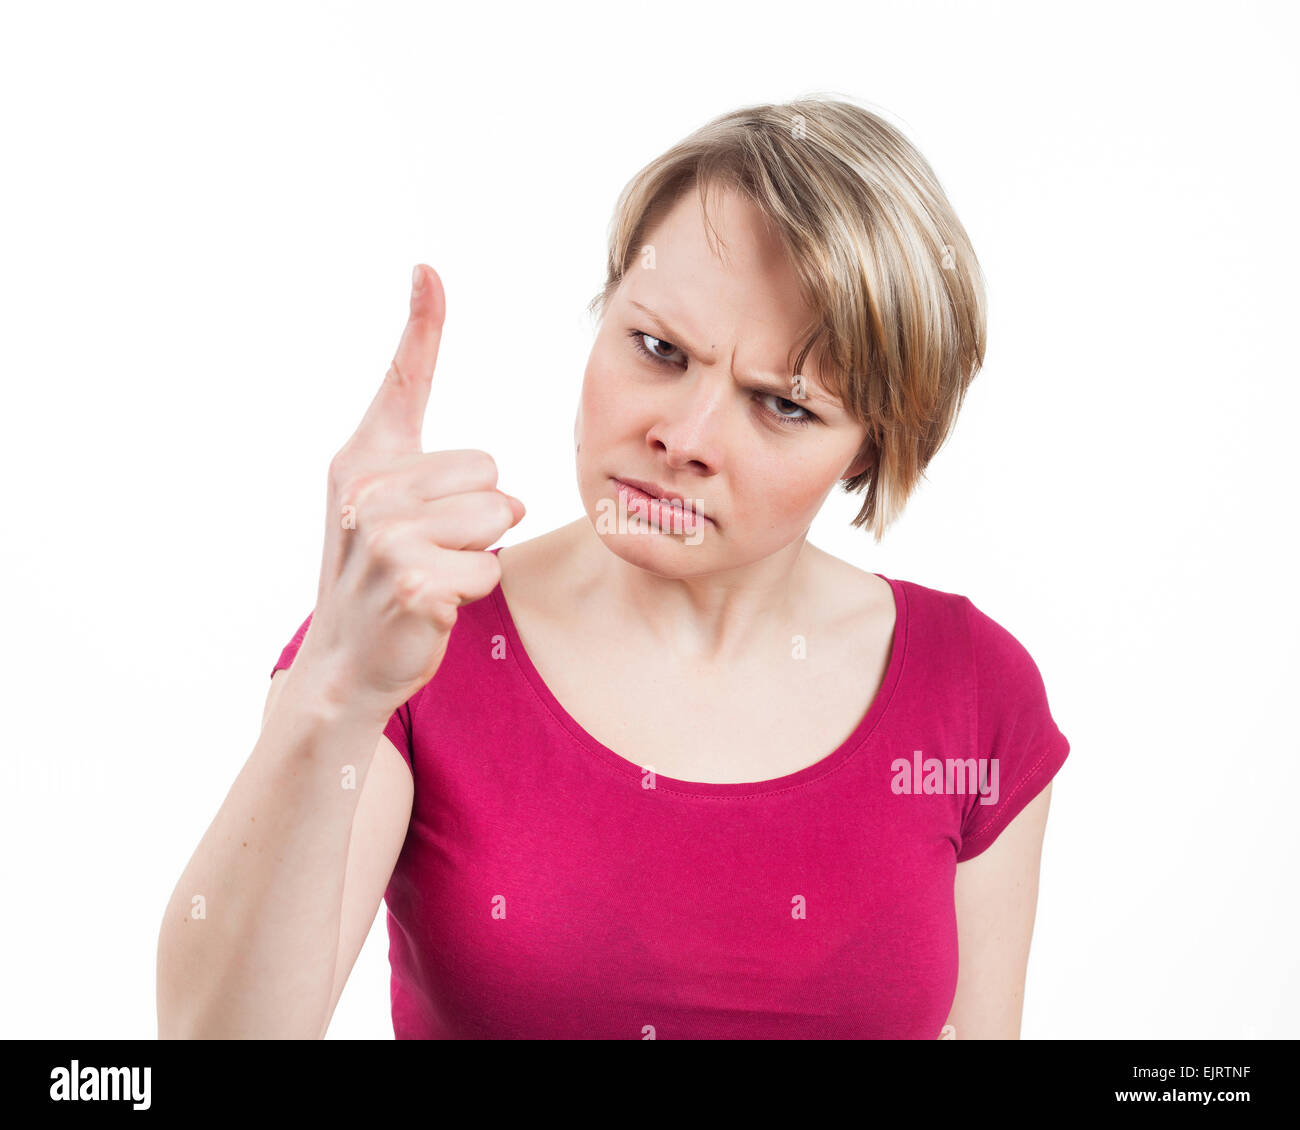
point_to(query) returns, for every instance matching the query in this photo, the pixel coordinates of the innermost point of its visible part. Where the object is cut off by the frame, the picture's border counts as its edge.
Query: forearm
(249, 940)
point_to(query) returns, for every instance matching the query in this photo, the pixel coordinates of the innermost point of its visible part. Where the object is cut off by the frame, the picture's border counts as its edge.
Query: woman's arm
(283, 874)
(996, 896)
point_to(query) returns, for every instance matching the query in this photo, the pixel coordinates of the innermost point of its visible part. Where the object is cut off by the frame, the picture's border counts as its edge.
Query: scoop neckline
(725, 789)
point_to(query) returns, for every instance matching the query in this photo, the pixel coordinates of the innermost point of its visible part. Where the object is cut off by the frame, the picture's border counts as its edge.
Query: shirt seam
(1006, 803)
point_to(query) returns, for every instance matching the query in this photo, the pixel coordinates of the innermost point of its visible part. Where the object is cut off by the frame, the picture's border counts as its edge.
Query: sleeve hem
(398, 731)
(398, 728)
(1025, 790)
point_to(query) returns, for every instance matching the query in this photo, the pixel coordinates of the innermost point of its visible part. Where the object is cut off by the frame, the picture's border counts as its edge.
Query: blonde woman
(668, 771)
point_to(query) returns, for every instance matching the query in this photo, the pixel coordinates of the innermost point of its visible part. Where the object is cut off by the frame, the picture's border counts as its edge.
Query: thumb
(395, 418)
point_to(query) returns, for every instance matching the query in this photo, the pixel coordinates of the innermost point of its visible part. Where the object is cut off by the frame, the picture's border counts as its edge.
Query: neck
(716, 618)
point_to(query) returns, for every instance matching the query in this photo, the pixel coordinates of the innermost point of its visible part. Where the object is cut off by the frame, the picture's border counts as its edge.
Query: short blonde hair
(898, 328)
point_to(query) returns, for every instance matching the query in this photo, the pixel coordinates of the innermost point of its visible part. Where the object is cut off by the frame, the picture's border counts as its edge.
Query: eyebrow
(775, 386)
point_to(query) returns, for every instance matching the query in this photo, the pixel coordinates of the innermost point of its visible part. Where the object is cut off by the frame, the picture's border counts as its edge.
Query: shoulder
(936, 618)
(990, 641)
(1000, 656)
(540, 573)
(537, 555)
(1010, 692)
(845, 593)
(955, 638)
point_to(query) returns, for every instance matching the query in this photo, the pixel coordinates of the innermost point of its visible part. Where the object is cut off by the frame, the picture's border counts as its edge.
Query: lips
(662, 500)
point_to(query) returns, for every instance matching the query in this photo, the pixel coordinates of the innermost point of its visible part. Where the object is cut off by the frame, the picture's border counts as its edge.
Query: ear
(866, 458)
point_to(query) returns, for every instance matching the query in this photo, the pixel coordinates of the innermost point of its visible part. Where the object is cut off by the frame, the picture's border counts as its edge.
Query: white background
(210, 217)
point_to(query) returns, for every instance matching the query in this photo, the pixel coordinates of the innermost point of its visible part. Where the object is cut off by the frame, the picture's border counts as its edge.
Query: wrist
(324, 685)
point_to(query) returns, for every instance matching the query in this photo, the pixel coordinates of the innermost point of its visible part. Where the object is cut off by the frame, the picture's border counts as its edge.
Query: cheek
(784, 488)
(600, 394)
(597, 422)
(605, 406)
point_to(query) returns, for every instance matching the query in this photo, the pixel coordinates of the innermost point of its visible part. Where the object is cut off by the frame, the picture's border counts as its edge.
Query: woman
(668, 771)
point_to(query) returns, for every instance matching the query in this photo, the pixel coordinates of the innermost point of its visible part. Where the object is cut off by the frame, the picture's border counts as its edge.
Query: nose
(690, 424)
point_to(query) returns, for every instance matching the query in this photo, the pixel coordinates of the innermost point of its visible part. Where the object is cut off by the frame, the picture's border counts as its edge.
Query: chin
(665, 555)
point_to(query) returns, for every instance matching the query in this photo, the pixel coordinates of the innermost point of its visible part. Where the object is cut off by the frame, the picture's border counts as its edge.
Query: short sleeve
(1016, 735)
(398, 729)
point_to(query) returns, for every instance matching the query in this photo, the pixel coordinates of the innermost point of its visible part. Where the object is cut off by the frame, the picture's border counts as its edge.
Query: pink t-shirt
(549, 888)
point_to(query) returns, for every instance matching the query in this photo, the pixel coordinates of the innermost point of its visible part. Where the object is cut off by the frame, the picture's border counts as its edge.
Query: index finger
(395, 418)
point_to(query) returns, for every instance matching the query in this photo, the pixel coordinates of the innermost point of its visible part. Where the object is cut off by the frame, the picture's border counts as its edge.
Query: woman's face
(713, 415)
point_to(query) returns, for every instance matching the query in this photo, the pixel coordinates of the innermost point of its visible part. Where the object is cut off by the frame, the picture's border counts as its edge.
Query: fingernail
(417, 279)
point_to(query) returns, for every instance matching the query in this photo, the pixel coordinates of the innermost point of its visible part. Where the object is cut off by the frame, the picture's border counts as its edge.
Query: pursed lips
(657, 493)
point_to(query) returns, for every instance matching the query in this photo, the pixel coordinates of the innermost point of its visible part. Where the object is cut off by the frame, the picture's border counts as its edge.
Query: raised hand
(406, 533)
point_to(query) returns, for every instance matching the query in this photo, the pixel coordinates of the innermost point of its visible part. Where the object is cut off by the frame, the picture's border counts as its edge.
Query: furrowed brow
(777, 387)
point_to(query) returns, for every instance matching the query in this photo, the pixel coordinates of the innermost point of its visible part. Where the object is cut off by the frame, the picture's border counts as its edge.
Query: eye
(639, 338)
(782, 418)
(806, 418)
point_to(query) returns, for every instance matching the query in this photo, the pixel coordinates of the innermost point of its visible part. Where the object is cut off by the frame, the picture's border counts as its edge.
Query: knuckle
(366, 485)
(394, 375)
(444, 615)
(381, 542)
(340, 469)
(486, 505)
(358, 487)
(486, 465)
(408, 585)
